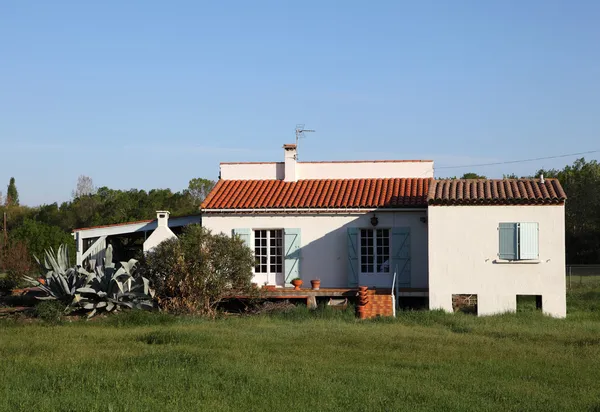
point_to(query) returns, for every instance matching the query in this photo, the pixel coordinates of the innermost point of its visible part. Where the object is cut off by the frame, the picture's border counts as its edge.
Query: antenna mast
(300, 130)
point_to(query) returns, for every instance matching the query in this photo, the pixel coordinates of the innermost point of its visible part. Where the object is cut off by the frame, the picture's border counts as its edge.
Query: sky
(149, 94)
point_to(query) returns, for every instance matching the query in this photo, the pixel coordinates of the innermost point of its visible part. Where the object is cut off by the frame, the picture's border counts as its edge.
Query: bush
(50, 311)
(194, 273)
(7, 283)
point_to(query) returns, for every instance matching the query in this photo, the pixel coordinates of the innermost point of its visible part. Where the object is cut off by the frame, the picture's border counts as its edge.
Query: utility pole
(5, 232)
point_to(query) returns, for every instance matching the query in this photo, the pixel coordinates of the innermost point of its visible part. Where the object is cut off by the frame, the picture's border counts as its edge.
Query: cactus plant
(105, 289)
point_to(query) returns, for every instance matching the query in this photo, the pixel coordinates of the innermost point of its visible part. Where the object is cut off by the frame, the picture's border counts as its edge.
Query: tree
(510, 176)
(39, 236)
(12, 195)
(472, 175)
(196, 272)
(199, 188)
(581, 183)
(85, 187)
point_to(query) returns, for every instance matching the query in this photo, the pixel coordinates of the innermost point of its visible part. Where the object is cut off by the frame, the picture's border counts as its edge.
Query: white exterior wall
(324, 242)
(463, 258)
(328, 170)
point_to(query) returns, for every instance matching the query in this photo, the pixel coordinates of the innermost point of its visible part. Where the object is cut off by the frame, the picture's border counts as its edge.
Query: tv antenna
(300, 130)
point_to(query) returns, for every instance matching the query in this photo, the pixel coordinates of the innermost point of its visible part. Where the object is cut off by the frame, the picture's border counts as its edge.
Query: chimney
(163, 218)
(290, 155)
(542, 181)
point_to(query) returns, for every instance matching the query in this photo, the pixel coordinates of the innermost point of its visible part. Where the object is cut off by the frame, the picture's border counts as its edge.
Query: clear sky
(149, 94)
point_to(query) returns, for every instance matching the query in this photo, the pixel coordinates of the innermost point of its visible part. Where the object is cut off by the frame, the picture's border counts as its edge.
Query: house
(391, 226)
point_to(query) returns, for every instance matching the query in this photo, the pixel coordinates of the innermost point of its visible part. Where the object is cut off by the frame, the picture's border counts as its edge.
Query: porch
(379, 302)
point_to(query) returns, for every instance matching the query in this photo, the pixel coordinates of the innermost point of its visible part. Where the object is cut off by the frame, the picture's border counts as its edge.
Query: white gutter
(316, 210)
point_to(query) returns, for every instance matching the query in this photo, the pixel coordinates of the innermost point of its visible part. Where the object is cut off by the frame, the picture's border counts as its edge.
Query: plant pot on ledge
(297, 282)
(315, 284)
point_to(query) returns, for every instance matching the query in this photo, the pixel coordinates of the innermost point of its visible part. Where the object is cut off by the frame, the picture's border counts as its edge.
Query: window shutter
(352, 242)
(401, 255)
(243, 234)
(528, 241)
(291, 244)
(508, 241)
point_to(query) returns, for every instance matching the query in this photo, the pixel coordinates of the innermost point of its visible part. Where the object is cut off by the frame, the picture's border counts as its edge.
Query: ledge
(516, 262)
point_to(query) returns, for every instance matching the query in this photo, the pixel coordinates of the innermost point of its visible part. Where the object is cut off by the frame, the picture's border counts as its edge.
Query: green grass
(421, 361)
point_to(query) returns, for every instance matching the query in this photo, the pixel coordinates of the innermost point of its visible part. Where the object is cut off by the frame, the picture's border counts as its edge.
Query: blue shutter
(244, 234)
(291, 243)
(352, 243)
(401, 255)
(508, 241)
(528, 241)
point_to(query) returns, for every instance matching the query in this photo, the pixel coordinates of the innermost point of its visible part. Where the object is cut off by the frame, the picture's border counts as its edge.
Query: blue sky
(150, 94)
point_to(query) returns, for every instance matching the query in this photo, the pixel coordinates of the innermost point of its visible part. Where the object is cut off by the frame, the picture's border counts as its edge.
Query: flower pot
(297, 283)
(316, 284)
(363, 288)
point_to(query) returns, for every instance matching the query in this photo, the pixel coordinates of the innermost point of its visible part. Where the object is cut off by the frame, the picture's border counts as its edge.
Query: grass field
(421, 361)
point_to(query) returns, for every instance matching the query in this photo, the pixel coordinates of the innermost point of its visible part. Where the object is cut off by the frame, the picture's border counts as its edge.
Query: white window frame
(374, 265)
(281, 247)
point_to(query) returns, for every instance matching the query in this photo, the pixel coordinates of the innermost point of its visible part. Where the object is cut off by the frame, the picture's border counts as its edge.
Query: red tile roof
(318, 193)
(496, 192)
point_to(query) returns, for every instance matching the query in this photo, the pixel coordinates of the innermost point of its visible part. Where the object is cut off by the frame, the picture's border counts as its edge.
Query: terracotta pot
(316, 284)
(363, 288)
(297, 283)
(42, 281)
(270, 288)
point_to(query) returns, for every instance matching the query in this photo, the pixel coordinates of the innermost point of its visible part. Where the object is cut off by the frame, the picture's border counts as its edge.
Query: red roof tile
(496, 192)
(318, 193)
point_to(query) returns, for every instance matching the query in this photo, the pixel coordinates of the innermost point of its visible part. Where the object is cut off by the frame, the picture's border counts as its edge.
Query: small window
(519, 241)
(268, 251)
(375, 250)
(465, 303)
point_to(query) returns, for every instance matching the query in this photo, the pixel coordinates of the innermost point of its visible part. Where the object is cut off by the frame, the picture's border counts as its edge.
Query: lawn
(421, 361)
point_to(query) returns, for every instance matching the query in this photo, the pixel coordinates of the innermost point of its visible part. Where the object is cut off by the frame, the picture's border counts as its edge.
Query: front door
(268, 254)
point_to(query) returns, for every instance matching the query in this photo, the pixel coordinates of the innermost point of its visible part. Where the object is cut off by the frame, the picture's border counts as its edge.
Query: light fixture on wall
(374, 221)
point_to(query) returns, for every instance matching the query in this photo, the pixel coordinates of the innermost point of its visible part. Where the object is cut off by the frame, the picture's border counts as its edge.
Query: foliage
(104, 289)
(472, 175)
(196, 272)
(39, 236)
(199, 188)
(581, 182)
(12, 194)
(15, 260)
(50, 311)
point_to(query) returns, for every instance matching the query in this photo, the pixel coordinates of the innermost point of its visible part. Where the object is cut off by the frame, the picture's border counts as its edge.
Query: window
(375, 250)
(519, 241)
(268, 251)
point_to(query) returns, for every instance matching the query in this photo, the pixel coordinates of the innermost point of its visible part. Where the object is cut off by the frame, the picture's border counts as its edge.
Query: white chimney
(162, 216)
(542, 181)
(290, 156)
(161, 233)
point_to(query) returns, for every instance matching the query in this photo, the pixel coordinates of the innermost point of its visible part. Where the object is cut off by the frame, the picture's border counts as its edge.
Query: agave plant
(105, 289)
(60, 281)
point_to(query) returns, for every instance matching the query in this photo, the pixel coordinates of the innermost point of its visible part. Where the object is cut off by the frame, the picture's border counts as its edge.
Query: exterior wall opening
(529, 303)
(464, 303)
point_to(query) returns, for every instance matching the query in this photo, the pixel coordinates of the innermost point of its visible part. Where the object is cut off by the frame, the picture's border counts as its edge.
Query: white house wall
(463, 258)
(324, 247)
(328, 170)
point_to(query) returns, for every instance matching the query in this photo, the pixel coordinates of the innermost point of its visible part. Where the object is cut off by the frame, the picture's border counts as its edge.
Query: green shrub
(7, 283)
(51, 311)
(194, 273)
